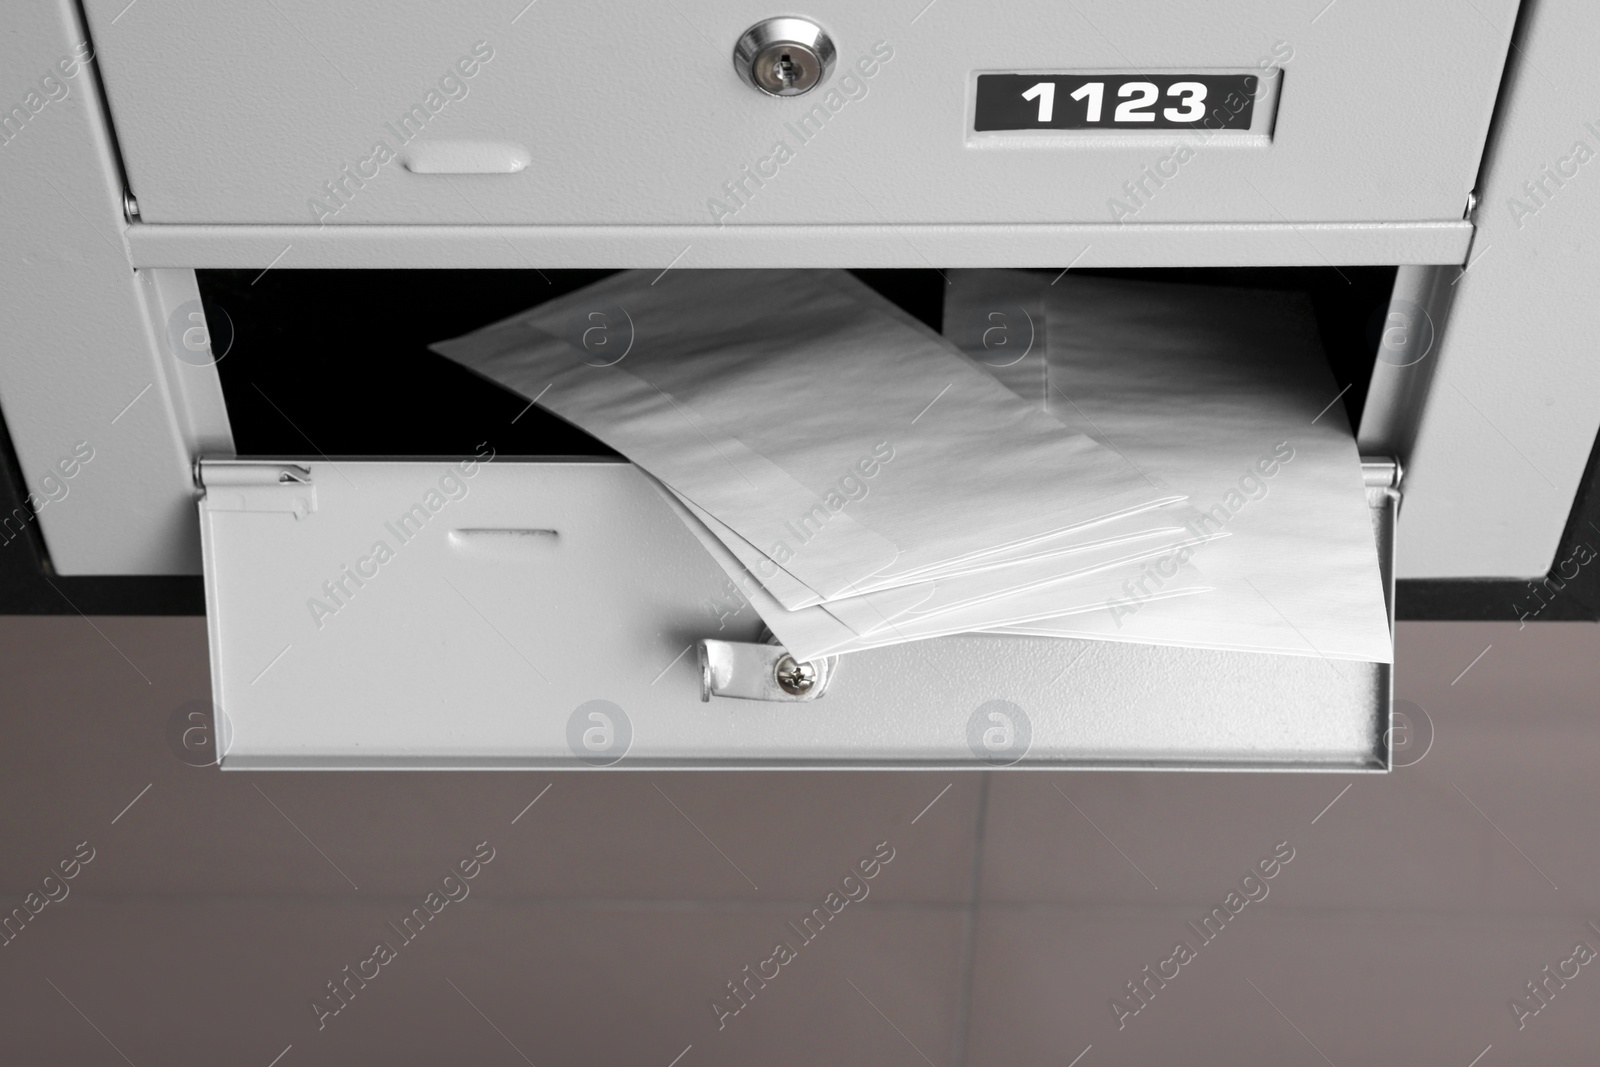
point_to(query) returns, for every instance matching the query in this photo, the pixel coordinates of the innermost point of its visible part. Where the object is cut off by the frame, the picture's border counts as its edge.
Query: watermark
(1409, 736)
(852, 486)
(603, 335)
(199, 335)
(53, 889)
(1154, 574)
(52, 89)
(599, 733)
(1144, 186)
(452, 85)
(340, 590)
(453, 888)
(1543, 989)
(199, 733)
(1552, 583)
(729, 602)
(999, 733)
(852, 888)
(1253, 889)
(1005, 336)
(1547, 183)
(849, 488)
(1402, 333)
(52, 490)
(742, 188)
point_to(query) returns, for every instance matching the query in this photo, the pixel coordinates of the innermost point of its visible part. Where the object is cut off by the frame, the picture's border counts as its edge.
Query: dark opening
(335, 362)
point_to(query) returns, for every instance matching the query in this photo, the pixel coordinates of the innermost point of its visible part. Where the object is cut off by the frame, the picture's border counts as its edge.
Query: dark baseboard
(116, 595)
(1493, 599)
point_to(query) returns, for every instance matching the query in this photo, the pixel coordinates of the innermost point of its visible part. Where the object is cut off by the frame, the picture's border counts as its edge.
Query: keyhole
(783, 57)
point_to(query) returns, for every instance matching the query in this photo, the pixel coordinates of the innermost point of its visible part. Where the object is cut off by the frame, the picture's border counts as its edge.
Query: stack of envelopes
(862, 479)
(1224, 393)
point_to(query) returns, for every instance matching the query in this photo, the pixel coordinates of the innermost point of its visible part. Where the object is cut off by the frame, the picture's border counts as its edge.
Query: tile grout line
(969, 933)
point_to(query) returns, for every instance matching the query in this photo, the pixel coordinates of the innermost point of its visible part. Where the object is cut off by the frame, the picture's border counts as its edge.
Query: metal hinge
(1382, 475)
(232, 485)
(1381, 472)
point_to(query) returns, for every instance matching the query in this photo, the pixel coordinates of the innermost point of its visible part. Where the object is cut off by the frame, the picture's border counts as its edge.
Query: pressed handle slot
(466, 157)
(498, 540)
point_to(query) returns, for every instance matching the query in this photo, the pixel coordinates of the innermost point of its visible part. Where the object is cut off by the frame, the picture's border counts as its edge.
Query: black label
(1120, 102)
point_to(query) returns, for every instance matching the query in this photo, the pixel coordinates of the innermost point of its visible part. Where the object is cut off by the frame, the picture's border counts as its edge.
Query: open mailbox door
(513, 613)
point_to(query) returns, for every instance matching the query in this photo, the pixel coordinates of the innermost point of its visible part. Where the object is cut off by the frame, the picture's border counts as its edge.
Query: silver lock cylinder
(784, 56)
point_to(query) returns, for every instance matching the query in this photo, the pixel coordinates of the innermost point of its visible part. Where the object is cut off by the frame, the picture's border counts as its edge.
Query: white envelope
(833, 628)
(757, 566)
(855, 451)
(1224, 392)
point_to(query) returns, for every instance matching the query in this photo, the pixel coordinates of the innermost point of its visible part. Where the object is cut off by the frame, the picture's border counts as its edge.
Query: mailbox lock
(794, 677)
(784, 56)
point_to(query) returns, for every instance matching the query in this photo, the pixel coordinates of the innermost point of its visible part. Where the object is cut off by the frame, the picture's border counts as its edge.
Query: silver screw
(794, 677)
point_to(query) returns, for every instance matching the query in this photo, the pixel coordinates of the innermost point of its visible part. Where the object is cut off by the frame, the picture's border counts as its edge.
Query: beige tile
(1515, 736)
(1491, 817)
(1408, 840)
(1360, 988)
(1137, 839)
(231, 982)
(1550, 666)
(793, 835)
(207, 921)
(87, 734)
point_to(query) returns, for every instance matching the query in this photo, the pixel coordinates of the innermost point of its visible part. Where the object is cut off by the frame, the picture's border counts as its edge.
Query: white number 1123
(1191, 95)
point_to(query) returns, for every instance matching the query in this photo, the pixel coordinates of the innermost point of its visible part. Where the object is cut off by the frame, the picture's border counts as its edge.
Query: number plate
(1122, 102)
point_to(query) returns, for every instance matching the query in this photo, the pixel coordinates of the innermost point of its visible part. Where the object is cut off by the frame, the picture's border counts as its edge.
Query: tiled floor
(618, 907)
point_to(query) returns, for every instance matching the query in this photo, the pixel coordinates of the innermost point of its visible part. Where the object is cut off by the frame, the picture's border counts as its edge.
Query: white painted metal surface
(88, 381)
(1514, 402)
(510, 603)
(1408, 347)
(914, 246)
(1499, 445)
(632, 113)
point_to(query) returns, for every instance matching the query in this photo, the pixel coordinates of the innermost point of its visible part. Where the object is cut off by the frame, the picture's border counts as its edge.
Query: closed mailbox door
(621, 113)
